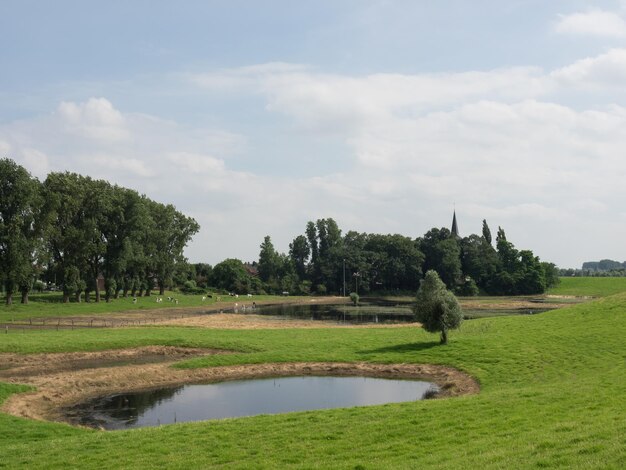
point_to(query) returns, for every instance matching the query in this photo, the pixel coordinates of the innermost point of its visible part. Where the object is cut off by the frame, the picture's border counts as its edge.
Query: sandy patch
(60, 388)
(234, 321)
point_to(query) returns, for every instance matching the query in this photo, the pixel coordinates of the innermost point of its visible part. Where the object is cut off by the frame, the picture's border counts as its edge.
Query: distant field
(590, 286)
(50, 305)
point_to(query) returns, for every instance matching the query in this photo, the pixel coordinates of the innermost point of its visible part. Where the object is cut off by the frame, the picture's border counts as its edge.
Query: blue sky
(255, 117)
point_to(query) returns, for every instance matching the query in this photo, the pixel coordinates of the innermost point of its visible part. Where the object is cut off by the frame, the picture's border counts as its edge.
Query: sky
(256, 117)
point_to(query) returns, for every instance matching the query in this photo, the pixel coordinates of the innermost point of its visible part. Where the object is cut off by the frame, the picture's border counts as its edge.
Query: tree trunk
(25, 297)
(97, 292)
(140, 294)
(87, 296)
(66, 298)
(444, 336)
(9, 298)
(161, 288)
(79, 296)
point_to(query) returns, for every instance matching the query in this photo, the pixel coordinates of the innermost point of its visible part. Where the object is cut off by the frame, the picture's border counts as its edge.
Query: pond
(370, 312)
(375, 312)
(244, 398)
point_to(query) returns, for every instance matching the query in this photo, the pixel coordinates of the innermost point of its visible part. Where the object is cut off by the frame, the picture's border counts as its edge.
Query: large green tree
(171, 231)
(436, 308)
(269, 261)
(442, 254)
(69, 235)
(231, 275)
(299, 252)
(20, 228)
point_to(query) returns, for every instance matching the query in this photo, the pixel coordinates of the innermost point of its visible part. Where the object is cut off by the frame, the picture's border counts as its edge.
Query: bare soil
(64, 380)
(235, 321)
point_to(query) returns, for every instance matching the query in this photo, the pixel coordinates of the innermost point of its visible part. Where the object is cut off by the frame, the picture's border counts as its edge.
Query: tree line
(322, 260)
(71, 230)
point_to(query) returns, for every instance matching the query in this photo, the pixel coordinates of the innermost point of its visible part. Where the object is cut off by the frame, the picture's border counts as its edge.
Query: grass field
(589, 286)
(553, 395)
(50, 305)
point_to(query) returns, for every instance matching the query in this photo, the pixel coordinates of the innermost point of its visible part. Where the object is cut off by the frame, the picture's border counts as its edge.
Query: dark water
(364, 313)
(245, 398)
(373, 312)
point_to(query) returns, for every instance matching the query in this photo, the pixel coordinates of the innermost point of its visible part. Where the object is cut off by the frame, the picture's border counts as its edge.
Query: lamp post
(344, 277)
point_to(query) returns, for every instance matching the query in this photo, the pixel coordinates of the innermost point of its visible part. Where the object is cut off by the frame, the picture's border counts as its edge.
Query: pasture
(551, 396)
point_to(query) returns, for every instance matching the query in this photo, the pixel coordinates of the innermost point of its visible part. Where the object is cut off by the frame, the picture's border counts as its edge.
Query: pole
(344, 277)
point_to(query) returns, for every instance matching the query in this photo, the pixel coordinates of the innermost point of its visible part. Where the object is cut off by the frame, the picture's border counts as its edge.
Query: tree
(269, 261)
(442, 254)
(20, 228)
(436, 308)
(486, 232)
(551, 274)
(479, 260)
(299, 251)
(231, 275)
(169, 235)
(501, 235)
(67, 237)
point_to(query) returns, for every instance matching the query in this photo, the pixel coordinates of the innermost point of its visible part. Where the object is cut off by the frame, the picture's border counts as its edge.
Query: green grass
(50, 305)
(589, 286)
(553, 396)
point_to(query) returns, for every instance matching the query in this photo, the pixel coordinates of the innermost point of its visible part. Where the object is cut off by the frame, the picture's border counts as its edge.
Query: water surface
(245, 398)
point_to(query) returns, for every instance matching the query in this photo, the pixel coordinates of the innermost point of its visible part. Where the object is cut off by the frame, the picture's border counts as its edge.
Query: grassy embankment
(589, 286)
(553, 395)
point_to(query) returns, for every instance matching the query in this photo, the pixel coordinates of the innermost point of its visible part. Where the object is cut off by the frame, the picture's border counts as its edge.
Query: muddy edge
(62, 389)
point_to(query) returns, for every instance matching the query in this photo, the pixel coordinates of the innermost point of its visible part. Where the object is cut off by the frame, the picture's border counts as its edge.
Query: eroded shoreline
(58, 388)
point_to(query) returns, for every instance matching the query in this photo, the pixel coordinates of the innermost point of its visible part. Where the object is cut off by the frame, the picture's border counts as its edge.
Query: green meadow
(589, 286)
(50, 305)
(553, 395)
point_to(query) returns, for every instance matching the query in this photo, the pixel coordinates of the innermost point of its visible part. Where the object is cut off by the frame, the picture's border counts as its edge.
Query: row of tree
(73, 230)
(324, 261)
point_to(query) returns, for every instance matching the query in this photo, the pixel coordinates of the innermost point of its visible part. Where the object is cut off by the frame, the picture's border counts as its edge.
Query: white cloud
(494, 142)
(607, 70)
(94, 119)
(592, 23)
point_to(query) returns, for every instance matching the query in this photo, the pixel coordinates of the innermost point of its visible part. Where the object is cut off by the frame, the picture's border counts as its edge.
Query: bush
(189, 287)
(320, 289)
(468, 288)
(354, 297)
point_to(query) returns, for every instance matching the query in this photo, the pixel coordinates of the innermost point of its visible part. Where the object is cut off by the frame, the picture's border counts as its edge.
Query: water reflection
(366, 313)
(245, 398)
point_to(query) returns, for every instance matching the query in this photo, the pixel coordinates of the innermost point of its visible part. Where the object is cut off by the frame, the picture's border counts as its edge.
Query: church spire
(455, 228)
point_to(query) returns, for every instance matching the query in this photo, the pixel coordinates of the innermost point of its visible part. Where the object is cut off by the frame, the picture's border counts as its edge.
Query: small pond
(364, 313)
(244, 398)
(373, 312)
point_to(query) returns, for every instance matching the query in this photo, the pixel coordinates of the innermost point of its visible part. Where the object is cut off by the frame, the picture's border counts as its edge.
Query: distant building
(455, 228)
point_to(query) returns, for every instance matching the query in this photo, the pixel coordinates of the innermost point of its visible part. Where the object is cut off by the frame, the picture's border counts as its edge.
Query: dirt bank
(234, 321)
(58, 387)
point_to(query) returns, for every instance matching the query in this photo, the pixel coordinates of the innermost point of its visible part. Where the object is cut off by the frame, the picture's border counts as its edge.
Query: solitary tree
(436, 308)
